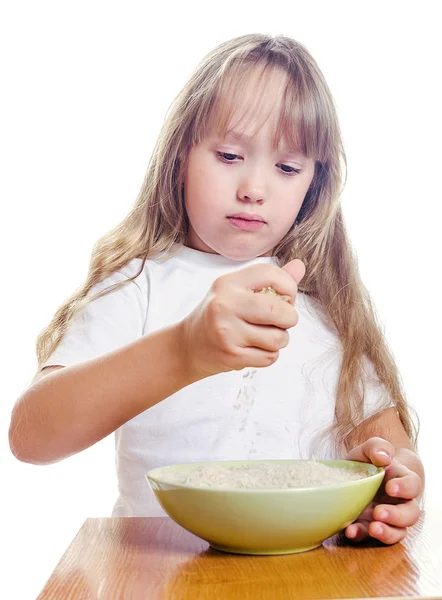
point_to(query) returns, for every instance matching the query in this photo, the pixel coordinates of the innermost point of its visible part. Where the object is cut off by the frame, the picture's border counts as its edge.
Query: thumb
(296, 269)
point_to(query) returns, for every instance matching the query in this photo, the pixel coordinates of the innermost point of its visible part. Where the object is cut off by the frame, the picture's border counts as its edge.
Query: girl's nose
(253, 199)
(250, 193)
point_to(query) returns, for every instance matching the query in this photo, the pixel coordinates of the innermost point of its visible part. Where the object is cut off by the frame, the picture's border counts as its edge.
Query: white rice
(272, 292)
(295, 475)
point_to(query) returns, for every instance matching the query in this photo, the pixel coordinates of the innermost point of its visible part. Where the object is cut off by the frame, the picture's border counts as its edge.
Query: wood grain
(144, 558)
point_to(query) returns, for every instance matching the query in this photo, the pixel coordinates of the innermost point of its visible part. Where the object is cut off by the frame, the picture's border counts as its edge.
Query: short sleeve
(106, 323)
(376, 397)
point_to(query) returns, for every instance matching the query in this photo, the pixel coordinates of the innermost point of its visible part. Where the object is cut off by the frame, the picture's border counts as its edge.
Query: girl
(167, 344)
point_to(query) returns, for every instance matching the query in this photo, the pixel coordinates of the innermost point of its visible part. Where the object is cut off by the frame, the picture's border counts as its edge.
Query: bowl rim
(378, 474)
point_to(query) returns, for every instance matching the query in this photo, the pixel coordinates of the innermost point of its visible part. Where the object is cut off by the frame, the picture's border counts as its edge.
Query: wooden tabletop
(144, 558)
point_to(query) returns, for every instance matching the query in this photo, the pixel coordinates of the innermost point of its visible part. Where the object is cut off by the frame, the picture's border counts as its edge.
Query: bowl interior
(158, 476)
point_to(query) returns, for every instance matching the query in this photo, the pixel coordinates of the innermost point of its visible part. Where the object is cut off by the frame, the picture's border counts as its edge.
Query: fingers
(260, 276)
(387, 523)
(256, 357)
(399, 508)
(402, 482)
(357, 532)
(264, 309)
(399, 482)
(375, 450)
(398, 515)
(386, 534)
(265, 337)
(296, 269)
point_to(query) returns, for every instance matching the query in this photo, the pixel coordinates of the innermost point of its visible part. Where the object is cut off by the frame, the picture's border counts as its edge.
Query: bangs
(245, 96)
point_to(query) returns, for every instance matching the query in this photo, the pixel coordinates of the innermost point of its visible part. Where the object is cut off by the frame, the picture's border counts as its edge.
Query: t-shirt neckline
(210, 259)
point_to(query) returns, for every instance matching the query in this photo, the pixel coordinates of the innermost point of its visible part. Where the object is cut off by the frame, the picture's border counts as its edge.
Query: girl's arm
(71, 408)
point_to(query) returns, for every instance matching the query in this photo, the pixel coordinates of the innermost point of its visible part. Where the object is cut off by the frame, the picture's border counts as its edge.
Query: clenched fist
(233, 327)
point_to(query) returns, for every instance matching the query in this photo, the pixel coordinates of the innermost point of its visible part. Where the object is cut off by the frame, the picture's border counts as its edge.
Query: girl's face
(241, 195)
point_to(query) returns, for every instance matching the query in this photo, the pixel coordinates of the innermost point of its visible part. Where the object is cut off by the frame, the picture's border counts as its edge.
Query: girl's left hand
(394, 508)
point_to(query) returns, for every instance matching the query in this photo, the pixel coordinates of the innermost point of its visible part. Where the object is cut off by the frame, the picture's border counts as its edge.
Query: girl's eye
(228, 157)
(291, 169)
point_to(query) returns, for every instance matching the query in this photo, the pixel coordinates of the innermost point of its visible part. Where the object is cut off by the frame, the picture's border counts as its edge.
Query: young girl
(167, 343)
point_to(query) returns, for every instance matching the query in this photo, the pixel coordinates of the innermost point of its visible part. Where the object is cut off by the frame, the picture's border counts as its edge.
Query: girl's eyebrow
(238, 135)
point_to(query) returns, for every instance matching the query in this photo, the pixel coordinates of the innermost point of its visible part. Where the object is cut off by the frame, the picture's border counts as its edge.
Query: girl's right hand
(234, 328)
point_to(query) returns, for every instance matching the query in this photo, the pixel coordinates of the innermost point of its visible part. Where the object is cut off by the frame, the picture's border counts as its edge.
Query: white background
(85, 89)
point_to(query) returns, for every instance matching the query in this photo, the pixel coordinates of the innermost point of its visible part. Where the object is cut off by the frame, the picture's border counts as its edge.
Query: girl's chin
(237, 254)
(243, 255)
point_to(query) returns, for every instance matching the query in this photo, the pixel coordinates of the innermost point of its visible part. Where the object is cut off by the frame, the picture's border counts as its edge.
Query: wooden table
(144, 558)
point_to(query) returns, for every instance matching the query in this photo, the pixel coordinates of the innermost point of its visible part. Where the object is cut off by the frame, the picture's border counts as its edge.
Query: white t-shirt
(272, 412)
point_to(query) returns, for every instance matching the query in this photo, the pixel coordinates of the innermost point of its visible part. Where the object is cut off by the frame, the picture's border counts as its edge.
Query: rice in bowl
(302, 474)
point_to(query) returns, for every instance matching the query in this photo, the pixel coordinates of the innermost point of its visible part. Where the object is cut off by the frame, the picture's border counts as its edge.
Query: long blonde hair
(158, 222)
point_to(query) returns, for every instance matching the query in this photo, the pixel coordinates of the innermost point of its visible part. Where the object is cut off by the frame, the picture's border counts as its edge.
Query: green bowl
(265, 521)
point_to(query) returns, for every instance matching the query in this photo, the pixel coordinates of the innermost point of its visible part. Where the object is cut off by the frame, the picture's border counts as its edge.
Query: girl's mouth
(246, 221)
(246, 224)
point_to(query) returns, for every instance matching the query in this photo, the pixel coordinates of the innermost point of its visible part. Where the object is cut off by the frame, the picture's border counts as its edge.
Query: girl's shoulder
(136, 268)
(139, 270)
(134, 274)
(142, 272)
